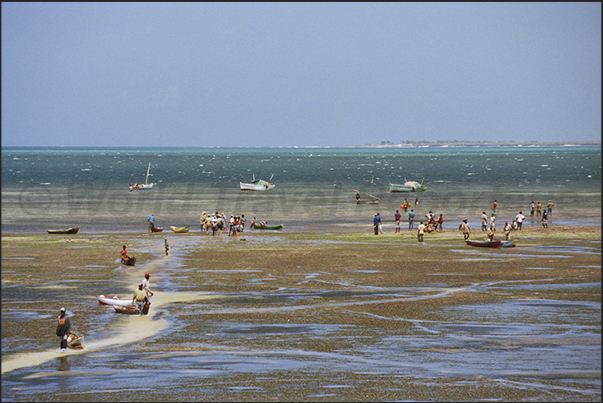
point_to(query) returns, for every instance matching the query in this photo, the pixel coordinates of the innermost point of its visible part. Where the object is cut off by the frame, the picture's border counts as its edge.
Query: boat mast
(146, 181)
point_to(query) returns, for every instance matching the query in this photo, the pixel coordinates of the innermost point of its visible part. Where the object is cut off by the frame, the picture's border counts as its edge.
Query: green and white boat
(408, 186)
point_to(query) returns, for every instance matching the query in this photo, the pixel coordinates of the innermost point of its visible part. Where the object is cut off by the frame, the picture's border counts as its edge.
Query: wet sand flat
(306, 316)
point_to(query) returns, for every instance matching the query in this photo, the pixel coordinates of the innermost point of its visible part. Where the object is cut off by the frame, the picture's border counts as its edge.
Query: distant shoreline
(454, 143)
(383, 144)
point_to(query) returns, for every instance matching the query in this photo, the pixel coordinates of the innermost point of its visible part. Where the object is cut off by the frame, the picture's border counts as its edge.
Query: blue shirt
(411, 215)
(377, 220)
(151, 218)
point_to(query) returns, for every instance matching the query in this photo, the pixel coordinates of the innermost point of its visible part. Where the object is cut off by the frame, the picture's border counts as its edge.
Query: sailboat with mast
(371, 200)
(146, 185)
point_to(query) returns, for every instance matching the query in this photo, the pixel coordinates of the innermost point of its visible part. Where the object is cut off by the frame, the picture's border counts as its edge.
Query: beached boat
(122, 305)
(257, 185)
(496, 243)
(73, 230)
(371, 200)
(146, 185)
(156, 229)
(408, 186)
(260, 226)
(128, 262)
(102, 300)
(131, 310)
(128, 310)
(180, 229)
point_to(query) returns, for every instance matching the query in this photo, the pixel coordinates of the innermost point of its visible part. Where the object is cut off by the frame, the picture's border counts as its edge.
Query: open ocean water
(46, 188)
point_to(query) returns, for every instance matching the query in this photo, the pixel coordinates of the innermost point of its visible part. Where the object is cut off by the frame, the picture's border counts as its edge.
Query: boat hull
(156, 229)
(484, 244)
(102, 300)
(129, 262)
(497, 243)
(259, 226)
(367, 201)
(255, 187)
(64, 231)
(180, 230)
(404, 189)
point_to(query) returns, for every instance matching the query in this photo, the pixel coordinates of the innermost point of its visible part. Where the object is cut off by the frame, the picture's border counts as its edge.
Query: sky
(298, 74)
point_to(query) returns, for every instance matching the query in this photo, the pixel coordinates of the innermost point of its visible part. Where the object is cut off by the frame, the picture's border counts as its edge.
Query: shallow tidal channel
(307, 328)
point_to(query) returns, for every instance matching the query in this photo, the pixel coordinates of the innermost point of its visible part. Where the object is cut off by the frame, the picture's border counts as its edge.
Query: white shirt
(519, 217)
(145, 285)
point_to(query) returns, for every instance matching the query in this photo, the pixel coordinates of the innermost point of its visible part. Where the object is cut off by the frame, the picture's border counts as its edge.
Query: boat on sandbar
(495, 243)
(73, 230)
(264, 226)
(180, 229)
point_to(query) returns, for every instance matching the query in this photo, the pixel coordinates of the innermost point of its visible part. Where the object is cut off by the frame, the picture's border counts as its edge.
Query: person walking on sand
(151, 221)
(494, 207)
(519, 220)
(167, 246)
(532, 209)
(376, 223)
(440, 223)
(411, 219)
(484, 221)
(145, 285)
(202, 221)
(507, 229)
(421, 233)
(140, 298)
(538, 209)
(545, 219)
(397, 219)
(465, 229)
(63, 329)
(549, 208)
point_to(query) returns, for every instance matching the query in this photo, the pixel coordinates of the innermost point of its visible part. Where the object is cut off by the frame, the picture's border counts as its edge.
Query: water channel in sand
(478, 342)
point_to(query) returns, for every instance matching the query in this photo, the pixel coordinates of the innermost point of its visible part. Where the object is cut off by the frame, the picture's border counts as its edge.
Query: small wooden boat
(73, 230)
(102, 300)
(180, 229)
(496, 243)
(260, 226)
(372, 200)
(156, 229)
(131, 310)
(128, 310)
(129, 262)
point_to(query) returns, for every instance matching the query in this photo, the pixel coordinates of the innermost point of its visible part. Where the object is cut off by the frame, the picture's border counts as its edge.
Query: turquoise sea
(88, 187)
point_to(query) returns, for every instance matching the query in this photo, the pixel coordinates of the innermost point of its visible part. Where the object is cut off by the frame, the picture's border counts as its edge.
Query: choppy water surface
(47, 188)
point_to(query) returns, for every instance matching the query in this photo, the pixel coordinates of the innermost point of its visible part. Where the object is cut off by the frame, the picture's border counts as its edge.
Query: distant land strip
(455, 143)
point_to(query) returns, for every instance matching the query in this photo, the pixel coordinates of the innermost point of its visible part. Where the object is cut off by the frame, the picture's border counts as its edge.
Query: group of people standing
(216, 223)
(488, 224)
